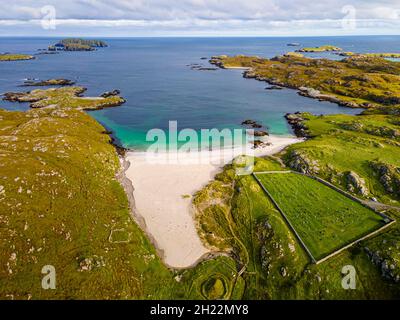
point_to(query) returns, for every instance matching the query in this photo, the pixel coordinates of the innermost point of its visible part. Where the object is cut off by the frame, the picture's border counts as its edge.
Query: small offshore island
(326, 48)
(77, 44)
(71, 204)
(15, 57)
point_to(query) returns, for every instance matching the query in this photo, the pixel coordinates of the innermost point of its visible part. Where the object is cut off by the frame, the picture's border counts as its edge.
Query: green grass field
(324, 219)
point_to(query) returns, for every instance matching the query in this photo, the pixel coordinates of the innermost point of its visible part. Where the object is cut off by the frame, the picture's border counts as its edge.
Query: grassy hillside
(342, 144)
(325, 219)
(273, 264)
(62, 205)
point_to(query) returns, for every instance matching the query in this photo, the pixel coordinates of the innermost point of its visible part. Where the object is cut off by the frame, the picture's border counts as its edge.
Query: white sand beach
(161, 198)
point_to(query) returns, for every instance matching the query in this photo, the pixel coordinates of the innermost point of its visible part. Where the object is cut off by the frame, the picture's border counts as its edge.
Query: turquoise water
(159, 86)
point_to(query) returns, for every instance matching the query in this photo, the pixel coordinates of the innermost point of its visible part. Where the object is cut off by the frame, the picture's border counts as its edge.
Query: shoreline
(248, 73)
(160, 197)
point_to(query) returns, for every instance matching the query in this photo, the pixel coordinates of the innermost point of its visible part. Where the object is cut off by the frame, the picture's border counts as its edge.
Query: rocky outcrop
(273, 87)
(49, 82)
(389, 176)
(217, 61)
(301, 162)
(384, 260)
(251, 123)
(271, 248)
(201, 67)
(356, 184)
(296, 121)
(112, 93)
(13, 96)
(261, 133)
(316, 94)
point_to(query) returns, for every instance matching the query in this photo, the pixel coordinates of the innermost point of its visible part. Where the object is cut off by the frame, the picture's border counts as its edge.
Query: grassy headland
(235, 215)
(357, 81)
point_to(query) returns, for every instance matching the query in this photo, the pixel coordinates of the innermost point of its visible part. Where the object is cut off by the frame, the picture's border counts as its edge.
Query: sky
(134, 18)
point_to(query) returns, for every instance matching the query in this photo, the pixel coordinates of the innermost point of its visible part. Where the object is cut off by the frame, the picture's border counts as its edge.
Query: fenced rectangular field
(323, 219)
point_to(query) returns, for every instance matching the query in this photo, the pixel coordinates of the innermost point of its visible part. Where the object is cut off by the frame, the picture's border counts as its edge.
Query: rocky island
(326, 48)
(77, 44)
(64, 97)
(49, 82)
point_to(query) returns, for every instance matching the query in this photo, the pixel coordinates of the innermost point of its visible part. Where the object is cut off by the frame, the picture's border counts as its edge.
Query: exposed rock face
(251, 123)
(387, 263)
(316, 94)
(271, 249)
(302, 163)
(261, 133)
(389, 176)
(273, 87)
(217, 61)
(296, 121)
(356, 184)
(13, 96)
(110, 93)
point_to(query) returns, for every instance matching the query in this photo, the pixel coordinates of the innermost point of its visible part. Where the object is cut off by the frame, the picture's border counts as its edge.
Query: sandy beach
(163, 195)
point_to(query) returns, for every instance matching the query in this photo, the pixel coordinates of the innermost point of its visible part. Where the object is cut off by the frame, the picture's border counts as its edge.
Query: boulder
(389, 176)
(301, 162)
(251, 123)
(273, 87)
(387, 264)
(110, 93)
(356, 184)
(261, 133)
(13, 96)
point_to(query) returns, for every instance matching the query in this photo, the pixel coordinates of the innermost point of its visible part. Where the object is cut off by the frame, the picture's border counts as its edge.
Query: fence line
(388, 221)
(286, 219)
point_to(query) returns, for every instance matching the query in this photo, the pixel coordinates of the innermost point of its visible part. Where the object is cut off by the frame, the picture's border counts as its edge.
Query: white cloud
(201, 16)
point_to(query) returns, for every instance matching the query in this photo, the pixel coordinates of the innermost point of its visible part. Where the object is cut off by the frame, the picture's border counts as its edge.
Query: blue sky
(198, 17)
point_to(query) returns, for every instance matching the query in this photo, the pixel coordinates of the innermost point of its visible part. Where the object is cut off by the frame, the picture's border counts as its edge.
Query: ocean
(155, 77)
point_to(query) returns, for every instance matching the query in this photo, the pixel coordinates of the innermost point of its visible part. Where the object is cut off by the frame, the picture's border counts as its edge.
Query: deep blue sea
(155, 79)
